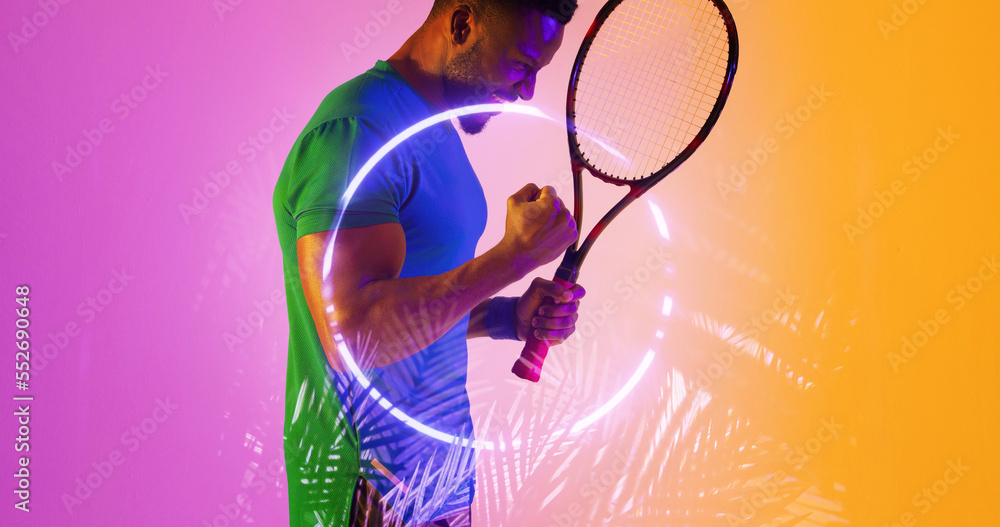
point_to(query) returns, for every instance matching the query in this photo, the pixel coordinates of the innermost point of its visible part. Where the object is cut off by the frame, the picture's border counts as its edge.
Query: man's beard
(464, 85)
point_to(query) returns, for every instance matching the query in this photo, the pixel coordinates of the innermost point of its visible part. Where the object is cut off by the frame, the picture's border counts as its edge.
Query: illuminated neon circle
(345, 353)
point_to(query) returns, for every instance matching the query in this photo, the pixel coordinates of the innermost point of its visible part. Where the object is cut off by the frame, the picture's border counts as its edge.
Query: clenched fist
(539, 228)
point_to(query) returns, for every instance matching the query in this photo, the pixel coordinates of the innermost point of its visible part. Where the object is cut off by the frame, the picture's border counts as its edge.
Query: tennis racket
(648, 85)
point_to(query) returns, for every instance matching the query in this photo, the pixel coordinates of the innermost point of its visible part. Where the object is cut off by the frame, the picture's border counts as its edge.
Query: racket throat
(569, 269)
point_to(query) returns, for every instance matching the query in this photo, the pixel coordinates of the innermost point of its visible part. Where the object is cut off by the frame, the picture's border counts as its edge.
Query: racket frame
(569, 268)
(529, 365)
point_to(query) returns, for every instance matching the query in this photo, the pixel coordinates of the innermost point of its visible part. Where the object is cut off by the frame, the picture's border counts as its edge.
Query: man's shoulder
(374, 96)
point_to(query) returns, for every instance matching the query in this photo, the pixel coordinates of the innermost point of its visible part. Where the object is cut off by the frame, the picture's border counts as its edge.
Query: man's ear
(463, 25)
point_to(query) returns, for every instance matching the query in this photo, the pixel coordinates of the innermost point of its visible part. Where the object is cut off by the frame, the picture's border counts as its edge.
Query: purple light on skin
(345, 353)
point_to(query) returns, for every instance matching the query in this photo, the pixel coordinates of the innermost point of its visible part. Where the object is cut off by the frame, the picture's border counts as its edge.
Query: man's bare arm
(405, 315)
(477, 321)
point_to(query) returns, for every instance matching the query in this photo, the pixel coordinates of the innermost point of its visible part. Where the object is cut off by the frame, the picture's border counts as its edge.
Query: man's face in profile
(501, 65)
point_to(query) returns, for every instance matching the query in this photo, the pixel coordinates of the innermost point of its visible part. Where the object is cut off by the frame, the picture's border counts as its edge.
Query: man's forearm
(477, 321)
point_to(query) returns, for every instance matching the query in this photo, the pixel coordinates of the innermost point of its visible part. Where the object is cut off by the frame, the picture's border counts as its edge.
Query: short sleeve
(326, 160)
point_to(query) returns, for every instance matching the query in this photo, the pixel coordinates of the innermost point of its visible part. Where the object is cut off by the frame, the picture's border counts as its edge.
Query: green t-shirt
(333, 428)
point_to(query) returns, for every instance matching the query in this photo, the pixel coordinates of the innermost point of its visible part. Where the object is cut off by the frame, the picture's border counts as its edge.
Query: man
(406, 290)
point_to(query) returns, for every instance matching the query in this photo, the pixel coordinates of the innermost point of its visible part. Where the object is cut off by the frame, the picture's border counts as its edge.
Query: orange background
(780, 224)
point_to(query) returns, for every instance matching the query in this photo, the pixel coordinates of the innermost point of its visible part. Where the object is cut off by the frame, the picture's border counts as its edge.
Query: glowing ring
(345, 353)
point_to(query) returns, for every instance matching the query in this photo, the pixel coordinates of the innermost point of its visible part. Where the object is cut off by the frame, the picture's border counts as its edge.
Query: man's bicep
(360, 255)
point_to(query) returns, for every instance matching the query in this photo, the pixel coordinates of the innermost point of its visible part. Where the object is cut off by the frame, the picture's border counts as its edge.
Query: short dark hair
(561, 10)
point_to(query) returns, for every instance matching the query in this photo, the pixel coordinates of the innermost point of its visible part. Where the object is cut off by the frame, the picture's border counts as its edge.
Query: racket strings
(649, 83)
(648, 24)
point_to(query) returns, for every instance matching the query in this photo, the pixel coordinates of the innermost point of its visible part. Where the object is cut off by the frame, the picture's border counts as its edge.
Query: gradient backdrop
(822, 272)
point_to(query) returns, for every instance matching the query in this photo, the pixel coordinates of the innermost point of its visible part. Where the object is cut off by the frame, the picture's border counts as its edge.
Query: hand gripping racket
(648, 85)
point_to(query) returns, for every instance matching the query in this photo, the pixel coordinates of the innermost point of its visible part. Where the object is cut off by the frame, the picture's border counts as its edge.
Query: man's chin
(475, 123)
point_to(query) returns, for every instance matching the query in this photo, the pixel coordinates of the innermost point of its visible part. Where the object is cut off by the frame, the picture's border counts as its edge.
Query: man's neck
(421, 62)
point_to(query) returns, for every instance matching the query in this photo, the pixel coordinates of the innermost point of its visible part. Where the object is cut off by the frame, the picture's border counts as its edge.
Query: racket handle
(529, 365)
